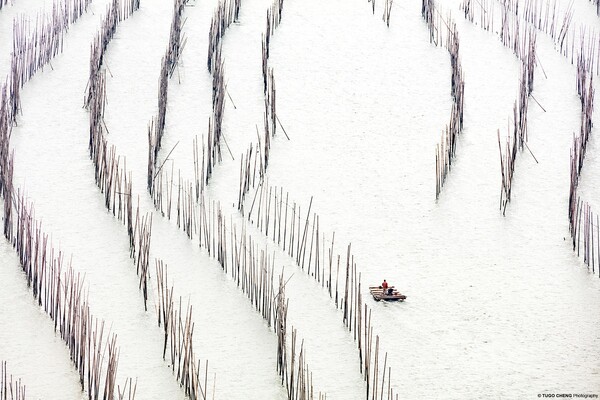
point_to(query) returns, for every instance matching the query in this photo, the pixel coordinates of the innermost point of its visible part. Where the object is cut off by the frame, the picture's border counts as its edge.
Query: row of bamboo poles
(586, 238)
(110, 170)
(182, 209)
(432, 19)
(238, 255)
(352, 300)
(115, 13)
(139, 235)
(257, 155)
(541, 15)
(63, 296)
(116, 183)
(140, 231)
(6, 156)
(31, 51)
(159, 181)
(250, 268)
(565, 39)
(578, 209)
(485, 14)
(169, 62)
(282, 220)
(58, 290)
(587, 58)
(160, 185)
(215, 123)
(225, 13)
(178, 337)
(96, 96)
(515, 32)
(522, 41)
(516, 37)
(446, 150)
(274, 14)
(178, 331)
(10, 389)
(197, 218)
(295, 375)
(519, 133)
(35, 44)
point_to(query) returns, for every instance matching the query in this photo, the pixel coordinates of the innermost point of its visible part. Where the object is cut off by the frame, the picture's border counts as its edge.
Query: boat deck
(390, 295)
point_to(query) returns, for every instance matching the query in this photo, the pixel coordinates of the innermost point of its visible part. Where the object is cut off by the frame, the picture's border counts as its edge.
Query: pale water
(498, 306)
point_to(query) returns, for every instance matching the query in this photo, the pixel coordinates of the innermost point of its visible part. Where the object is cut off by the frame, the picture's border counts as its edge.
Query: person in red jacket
(384, 285)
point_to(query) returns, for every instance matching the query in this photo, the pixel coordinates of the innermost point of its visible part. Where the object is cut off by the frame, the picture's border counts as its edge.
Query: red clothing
(384, 285)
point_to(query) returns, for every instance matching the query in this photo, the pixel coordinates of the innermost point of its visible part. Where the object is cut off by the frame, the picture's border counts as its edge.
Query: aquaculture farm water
(498, 305)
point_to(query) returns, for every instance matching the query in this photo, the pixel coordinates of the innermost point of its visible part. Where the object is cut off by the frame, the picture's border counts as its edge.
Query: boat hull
(379, 294)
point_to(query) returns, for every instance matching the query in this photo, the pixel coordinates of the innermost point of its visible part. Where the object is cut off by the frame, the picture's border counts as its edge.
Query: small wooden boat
(391, 294)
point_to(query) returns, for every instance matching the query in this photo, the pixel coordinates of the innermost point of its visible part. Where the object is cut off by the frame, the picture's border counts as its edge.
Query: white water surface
(498, 306)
